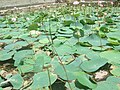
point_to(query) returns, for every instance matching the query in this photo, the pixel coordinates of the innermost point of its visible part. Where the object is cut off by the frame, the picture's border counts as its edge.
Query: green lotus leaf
(21, 55)
(116, 71)
(65, 50)
(43, 79)
(76, 25)
(93, 65)
(94, 40)
(112, 56)
(114, 35)
(84, 80)
(65, 30)
(16, 46)
(25, 68)
(6, 55)
(105, 85)
(16, 81)
(69, 70)
(113, 79)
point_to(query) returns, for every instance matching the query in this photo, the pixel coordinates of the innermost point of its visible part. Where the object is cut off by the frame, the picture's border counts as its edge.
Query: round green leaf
(6, 54)
(20, 55)
(65, 50)
(112, 56)
(115, 80)
(76, 25)
(93, 65)
(41, 80)
(116, 71)
(62, 74)
(106, 86)
(84, 79)
(115, 35)
(94, 40)
(16, 81)
(25, 68)
(15, 46)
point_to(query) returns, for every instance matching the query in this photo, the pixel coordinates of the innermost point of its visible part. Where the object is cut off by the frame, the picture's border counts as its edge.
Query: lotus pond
(63, 48)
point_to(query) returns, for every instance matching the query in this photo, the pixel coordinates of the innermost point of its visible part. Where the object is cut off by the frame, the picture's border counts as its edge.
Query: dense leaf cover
(69, 44)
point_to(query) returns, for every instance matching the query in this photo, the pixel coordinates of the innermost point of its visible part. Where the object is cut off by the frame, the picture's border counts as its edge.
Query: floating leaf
(67, 59)
(76, 25)
(41, 80)
(113, 79)
(93, 65)
(117, 48)
(7, 41)
(114, 35)
(73, 86)
(44, 41)
(112, 56)
(64, 35)
(82, 50)
(116, 71)
(25, 68)
(20, 55)
(104, 85)
(65, 30)
(16, 81)
(69, 70)
(39, 62)
(65, 50)
(68, 20)
(84, 80)
(6, 55)
(16, 46)
(94, 40)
